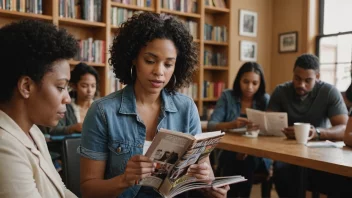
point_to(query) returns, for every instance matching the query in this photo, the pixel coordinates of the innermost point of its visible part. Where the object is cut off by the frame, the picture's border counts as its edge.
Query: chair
(70, 161)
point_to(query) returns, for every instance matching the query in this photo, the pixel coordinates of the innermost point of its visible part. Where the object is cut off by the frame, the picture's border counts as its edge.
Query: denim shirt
(114, 132)
(228, 108)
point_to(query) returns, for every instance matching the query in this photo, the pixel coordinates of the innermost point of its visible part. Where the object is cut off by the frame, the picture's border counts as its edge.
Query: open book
(270, 123)
(174, 152)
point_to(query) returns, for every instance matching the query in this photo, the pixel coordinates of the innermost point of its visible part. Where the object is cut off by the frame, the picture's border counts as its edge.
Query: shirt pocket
(120, 153)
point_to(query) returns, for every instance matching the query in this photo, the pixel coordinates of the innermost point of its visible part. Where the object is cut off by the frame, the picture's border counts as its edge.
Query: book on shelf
(215, 3)
(90, 10)
(91, 51)
(215, 33)
(34, 6)
(139, 3)
(214, 58)
(213, 89)
(270, 123)
(174, 152)
(120, 15)
(190, 6)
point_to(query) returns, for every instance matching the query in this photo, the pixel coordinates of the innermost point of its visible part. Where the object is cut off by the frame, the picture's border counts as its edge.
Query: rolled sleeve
(94, 144)
(219, 112)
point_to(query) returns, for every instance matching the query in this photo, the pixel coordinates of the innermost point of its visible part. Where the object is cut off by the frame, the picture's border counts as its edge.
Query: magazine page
(165, 150)
(196, 153)
(275, 122)
(197, 184)
(257, 117)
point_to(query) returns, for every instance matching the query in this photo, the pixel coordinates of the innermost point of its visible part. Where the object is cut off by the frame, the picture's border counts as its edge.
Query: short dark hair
(308, 61)
(29, 48)
(142, 28)
(259, 95)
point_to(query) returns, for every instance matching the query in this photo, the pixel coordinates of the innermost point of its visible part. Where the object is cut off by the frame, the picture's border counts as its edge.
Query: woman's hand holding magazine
(137, 168)
(182, 164)
(200, 171)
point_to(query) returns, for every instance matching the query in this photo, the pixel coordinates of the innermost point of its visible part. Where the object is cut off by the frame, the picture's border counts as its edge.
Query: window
(334, 43)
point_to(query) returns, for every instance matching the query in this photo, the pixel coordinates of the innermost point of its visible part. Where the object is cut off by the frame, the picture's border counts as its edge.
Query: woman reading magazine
(230, 112)
(154, 55)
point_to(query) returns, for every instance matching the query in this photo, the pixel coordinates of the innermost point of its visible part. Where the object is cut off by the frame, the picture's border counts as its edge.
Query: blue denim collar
(128, 104)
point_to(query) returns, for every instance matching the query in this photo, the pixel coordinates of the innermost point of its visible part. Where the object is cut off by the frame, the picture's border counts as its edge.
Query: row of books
(213, 89)
(190, 6)
(190, 91)
(120, 15)
(214, 59)
(30, 6)
(215, 3)
(215, 33)
(140, 3)
(90, 10)
(91, 51)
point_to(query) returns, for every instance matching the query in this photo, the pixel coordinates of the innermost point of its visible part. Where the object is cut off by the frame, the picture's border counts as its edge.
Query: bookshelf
(205, 15)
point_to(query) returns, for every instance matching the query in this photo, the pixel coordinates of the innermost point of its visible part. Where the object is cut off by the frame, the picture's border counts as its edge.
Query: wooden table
(333, 160)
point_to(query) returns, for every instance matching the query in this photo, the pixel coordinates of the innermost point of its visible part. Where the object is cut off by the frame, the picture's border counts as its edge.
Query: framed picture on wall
(248, 51)
(288, 42)
(248, 23)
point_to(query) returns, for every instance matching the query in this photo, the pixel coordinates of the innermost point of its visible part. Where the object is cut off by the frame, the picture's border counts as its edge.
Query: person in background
(310, 100)
(33, 92)
(348, 101)
(84, 82)
(154, 55)
(230, 113)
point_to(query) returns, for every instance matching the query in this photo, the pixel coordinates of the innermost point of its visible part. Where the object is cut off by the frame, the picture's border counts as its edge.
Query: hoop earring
(132, 71)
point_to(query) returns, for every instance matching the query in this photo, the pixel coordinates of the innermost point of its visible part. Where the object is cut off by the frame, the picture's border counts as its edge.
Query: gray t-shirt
(322, 103)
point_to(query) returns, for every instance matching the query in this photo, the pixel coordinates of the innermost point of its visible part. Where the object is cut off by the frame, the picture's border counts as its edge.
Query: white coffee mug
(302, 132)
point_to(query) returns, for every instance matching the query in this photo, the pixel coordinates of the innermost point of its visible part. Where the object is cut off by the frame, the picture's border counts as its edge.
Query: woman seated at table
(33, 85)
(154, 55)
(230, 113)
(84, 83)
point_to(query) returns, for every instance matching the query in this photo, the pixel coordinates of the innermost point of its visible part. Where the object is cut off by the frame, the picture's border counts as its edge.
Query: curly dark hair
(142, 28)
(29, 48)
(80, 70)
(308, 61)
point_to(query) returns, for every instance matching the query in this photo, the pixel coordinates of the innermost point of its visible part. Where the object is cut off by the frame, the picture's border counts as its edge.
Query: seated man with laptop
(309, 100)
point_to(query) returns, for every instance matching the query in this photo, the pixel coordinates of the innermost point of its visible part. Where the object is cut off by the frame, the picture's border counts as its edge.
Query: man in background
(307, 99)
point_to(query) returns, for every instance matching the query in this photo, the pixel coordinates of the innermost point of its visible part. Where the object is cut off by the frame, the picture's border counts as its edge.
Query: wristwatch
(318, 133)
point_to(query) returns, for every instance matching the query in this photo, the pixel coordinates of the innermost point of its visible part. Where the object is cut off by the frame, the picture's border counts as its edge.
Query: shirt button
(118, 149)
(140, 146)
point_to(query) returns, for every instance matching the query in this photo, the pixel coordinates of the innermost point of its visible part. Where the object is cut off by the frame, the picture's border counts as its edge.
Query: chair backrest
(70, 161)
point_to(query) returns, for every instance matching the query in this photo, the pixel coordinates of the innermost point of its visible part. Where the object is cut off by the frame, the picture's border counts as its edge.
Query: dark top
(322, 103)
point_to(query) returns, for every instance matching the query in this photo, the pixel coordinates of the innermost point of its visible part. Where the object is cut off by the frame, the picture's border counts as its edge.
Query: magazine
(174, 152)
(270, 123)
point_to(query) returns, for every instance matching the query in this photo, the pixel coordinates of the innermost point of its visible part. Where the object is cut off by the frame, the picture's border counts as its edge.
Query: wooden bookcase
(83, 29)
